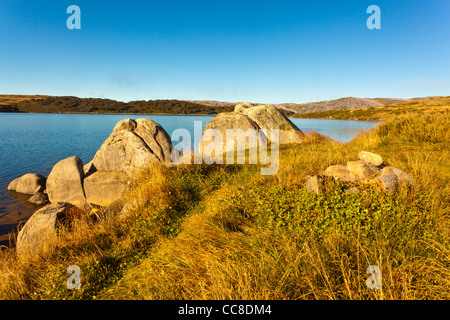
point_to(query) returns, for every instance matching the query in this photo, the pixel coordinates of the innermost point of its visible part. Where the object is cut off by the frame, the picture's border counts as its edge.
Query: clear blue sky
(234, 50)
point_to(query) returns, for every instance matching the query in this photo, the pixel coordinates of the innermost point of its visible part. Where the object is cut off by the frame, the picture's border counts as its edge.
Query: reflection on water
(34, 143)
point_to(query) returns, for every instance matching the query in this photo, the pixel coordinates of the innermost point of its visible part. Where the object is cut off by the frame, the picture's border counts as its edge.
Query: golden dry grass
(226, 232)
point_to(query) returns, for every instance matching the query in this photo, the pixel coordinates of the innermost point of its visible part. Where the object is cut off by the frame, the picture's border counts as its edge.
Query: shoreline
(171, 114)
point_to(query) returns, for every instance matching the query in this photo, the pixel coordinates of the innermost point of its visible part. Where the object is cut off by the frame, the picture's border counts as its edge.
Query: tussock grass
(226, 232)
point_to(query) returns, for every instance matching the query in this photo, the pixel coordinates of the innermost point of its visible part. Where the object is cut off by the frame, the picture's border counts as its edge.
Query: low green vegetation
(226, 232)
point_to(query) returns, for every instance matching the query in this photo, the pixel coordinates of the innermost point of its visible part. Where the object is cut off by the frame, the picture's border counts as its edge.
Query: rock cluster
(369, 169)
(101, 182)
(132, 145)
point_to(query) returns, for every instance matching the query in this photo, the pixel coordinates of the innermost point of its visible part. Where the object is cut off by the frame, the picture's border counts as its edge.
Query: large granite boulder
(104, 188)
(268, 117)
(65, 183)
(39, 234)
(28, 184)
(230, 121)
(249, 117)
(132, 145)
(156, 138)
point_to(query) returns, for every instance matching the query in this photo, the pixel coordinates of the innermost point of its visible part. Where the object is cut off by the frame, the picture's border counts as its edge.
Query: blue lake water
(34, 143)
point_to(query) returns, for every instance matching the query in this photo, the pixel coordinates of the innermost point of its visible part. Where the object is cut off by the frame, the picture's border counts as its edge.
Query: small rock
(388, 182)
(317, 183)
(340, 172)
(371, 158)
(402, 176)
(364, 170)
(39, 198)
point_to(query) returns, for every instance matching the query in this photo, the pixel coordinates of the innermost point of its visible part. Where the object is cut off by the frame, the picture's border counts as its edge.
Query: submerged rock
(39, 198)
(28, 184)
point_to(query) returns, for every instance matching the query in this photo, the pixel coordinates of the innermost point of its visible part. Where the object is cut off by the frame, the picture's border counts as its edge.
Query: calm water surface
(34, 143)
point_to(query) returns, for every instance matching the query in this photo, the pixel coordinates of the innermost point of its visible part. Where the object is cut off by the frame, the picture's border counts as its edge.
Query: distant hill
(342, 103)
(214, 103)
(416, 105)
(68, 104)
(296, 108)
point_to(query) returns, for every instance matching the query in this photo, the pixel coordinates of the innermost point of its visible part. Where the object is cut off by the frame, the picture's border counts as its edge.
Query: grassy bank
(226, 232)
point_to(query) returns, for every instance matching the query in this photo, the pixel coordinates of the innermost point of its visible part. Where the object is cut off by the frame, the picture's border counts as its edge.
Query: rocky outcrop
(29, 183)
(132, 145)
(254, 117)
(370, 169)
(104, 188)
(225, 121)
(39, 234)
(65, 183)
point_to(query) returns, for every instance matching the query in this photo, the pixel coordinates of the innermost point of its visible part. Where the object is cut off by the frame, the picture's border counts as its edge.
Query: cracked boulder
(132, 145)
